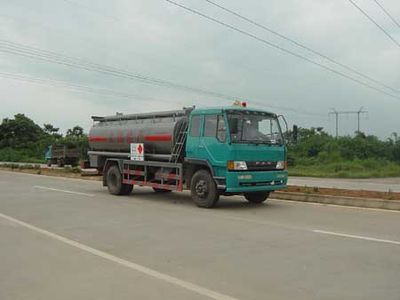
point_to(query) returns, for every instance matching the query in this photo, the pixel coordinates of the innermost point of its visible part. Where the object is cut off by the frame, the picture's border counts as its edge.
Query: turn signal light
(236, 165)
(231, 165)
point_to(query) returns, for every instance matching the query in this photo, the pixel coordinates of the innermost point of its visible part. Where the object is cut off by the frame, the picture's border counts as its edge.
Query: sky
(158, 40)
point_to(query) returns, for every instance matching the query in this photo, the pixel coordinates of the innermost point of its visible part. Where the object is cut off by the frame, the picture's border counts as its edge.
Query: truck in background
(210, 151)
(62, 155)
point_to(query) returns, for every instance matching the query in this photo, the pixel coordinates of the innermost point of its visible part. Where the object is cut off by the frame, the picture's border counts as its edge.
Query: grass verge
(347, 169)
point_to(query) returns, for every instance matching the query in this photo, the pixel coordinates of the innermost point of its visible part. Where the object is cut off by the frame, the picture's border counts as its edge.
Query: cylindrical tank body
(158, 131)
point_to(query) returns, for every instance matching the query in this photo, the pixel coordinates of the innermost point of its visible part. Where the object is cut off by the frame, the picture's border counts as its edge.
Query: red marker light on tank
(244, 104)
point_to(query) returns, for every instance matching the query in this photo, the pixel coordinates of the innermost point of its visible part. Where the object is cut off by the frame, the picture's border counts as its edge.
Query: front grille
(261, 165)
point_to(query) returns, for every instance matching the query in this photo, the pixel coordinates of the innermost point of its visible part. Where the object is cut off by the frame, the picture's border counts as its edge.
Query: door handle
(201, 146)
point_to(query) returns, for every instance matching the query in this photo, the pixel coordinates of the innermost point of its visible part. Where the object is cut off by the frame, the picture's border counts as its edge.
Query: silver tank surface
(158, 131)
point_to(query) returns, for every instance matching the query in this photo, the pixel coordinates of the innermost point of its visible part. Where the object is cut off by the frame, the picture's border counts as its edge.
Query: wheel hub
(201, 188)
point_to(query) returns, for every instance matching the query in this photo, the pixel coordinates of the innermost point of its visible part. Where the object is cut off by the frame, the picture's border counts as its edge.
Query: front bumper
(255, 181)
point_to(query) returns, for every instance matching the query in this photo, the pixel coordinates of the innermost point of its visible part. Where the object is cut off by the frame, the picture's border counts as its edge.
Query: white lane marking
(360, 237)
(134, 266)
(62, 191)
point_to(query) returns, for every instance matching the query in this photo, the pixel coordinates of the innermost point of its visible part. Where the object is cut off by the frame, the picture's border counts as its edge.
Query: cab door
(212, 142)
(193, 136)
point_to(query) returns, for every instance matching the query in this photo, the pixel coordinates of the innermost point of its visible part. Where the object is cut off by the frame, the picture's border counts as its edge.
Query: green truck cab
(244, 149)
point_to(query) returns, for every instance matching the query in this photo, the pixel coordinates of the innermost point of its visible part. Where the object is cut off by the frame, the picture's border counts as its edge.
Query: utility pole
(337, 113)
(359, 112)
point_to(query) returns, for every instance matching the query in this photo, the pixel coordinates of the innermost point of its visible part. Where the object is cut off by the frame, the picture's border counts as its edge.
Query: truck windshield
(254, 128)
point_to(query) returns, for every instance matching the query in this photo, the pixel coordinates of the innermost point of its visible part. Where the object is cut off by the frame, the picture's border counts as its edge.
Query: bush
(319, 154)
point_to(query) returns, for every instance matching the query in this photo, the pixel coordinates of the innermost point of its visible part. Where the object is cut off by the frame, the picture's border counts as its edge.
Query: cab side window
(210, 126)
(196, 122)
(214, 126)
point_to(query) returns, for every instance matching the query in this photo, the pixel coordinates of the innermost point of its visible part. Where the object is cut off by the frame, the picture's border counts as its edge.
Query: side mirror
(286, 125)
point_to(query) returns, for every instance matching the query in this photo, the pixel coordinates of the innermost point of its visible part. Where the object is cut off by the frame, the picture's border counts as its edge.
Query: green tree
(76, 131)
(51, 130)
(19, 132)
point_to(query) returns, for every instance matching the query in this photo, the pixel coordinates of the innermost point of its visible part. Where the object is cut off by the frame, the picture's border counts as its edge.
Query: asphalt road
(70, 239)
(373, 184)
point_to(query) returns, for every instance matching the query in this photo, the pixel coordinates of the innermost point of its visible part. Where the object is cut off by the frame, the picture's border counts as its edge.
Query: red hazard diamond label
(137, 151)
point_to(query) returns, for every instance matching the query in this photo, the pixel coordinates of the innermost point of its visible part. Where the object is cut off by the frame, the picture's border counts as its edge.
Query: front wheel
(256, 197)
(203, 189)
(114, 182)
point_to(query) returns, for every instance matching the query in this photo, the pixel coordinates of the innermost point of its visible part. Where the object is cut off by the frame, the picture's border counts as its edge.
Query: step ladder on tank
(180, 142)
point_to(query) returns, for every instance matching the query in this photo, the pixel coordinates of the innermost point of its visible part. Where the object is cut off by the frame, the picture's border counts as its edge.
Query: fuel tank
(158, 131)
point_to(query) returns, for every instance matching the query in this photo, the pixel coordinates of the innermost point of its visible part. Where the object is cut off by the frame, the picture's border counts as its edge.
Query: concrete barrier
(338, 200)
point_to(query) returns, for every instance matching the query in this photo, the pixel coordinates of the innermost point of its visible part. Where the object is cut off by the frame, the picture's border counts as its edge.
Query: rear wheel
(256, 197)
(48, 162)
(157, 190)
(114, 182)
(203, 189)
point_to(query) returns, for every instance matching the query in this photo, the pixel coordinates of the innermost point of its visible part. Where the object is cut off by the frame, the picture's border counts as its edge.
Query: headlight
(281, 165)
(236, 165)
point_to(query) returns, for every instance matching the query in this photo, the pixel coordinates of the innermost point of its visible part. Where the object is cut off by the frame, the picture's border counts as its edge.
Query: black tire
(127, 189)
(256, 197)
(74, 162)
(48, 162)
(203, 189)
(60, 162)
(114, 182)
(157, 190)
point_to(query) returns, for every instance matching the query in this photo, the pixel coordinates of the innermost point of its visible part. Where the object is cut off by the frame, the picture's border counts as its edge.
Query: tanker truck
(210, 151)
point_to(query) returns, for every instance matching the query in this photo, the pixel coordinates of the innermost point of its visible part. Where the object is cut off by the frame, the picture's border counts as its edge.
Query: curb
(337, 200)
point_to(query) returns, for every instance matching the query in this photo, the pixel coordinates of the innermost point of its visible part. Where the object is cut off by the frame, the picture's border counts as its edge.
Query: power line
(300, 45)
(387, 13)
(282, 36)
(373, 21)
(282, 49)
(53, 57)
(102, 91)
(113, 18)
(119, 20)
(48, 56)
(60, 33)
(75, 87)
